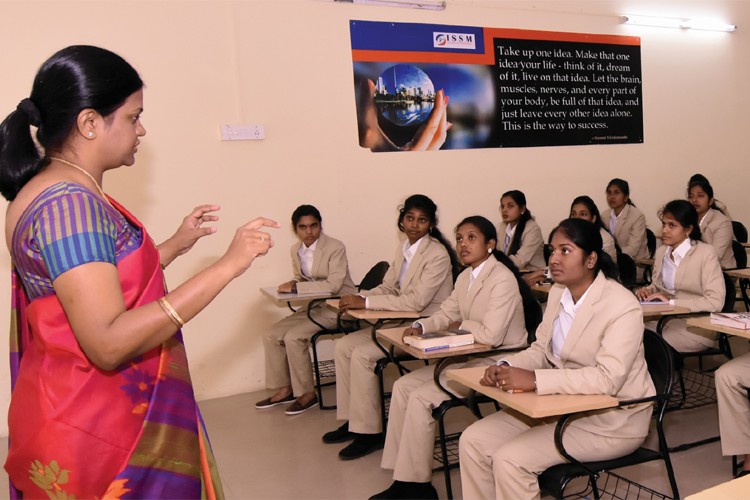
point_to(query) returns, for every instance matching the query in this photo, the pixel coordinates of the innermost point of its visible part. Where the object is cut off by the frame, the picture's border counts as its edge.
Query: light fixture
(677, 22)
(409, 4)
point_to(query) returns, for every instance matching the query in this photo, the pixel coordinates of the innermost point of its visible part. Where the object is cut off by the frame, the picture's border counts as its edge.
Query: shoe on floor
(298, 408)
(363, 444)
(267, 403)
(743, 473)
(340, 435)
(403, 489)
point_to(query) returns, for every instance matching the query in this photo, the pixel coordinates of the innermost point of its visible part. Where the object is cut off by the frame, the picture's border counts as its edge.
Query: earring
(489, 250)
(91, 134)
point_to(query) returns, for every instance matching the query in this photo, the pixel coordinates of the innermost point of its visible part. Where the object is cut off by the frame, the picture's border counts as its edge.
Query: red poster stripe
(420, 57)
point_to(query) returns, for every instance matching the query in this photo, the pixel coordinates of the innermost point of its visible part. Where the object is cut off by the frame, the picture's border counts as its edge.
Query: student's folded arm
(337, 270)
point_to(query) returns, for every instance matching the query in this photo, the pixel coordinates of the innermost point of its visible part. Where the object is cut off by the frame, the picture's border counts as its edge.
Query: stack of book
(740, 321)
(440, 340)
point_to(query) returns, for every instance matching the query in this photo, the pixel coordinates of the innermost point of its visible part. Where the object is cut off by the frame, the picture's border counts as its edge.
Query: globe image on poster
(404, 95)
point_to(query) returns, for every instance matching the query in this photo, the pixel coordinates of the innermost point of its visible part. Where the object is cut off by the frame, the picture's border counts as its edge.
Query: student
(722, 207)
(732, 381)
(583, 207)
(419, 279)
(716, 228)
(520, 235)
(319, 264)
(626, 223)
(486, 302)
(687, 274)
(589, 342)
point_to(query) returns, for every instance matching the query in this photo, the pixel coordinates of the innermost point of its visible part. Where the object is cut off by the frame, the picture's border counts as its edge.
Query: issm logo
(453, 40)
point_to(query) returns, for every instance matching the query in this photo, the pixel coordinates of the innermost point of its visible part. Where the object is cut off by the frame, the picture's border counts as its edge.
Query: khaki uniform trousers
(502, 454)
(732, 380)
(286, 345)
(410, 439)
(684, 338)
(357, 391)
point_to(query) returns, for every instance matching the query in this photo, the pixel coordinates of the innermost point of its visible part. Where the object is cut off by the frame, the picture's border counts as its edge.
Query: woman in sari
(102, 404)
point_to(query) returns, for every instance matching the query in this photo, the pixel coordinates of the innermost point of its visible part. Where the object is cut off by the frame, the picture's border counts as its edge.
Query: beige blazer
(330, 268)
(608, 244)
(530, 254)
(427, 283)
(716, 229)
(491, 309)
(602, 354)
(699, 282)
(630, 233)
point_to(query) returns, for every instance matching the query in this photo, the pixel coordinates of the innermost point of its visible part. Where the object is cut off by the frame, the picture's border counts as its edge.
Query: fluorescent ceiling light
(677, 22)
(409, 4)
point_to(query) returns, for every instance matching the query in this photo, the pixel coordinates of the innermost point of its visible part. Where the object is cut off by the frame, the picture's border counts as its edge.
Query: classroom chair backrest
(374, 276)
(626, 269)
(650, 243)
(532, 315)
(740, 231)
(731, 294)
(740, 254)
(547, 252)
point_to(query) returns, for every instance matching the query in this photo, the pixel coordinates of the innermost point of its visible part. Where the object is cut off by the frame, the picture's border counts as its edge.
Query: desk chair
(740, 254)
(327, 368)
(626, 270)
(740, 231)
(554, 480)
(651, 246)
(532, 316)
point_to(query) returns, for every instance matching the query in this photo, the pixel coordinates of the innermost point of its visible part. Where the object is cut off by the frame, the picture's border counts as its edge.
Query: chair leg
(446, 462)
(379, 369)
(316, 369)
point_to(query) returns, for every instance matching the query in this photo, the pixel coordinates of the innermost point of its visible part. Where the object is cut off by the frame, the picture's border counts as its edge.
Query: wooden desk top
(374, 314)
(705, 322)
(652, 311)
(272, 292)
(392, 336)
(542, 288)
(645, 262)
(736, 489)
(530, 403)
(739, 273)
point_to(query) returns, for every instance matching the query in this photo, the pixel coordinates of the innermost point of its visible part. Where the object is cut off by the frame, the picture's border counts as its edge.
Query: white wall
(287, 65)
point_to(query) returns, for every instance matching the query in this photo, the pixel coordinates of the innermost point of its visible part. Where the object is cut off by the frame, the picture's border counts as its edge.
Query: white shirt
(613, 221)
(509, 232)
(473, 276)
(564, 320)
(305, 255)
(669, 266)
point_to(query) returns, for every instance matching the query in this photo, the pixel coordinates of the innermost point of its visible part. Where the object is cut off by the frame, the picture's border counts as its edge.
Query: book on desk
(442, 339)
(740, 321)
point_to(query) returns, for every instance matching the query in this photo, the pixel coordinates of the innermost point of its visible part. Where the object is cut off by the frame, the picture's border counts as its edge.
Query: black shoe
(743, 473)
(298, 408)
(340, 435)
(403, 490)
(268, 403)
(363, 444)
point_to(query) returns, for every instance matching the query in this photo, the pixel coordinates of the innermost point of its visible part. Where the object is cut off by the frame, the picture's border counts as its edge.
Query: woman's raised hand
(248, 243)
(190, 231)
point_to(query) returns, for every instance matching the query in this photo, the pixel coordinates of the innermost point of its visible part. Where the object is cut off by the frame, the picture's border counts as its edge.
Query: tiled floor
(268, 455)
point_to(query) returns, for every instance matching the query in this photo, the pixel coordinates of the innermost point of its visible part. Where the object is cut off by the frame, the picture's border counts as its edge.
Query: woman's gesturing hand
(248, 243)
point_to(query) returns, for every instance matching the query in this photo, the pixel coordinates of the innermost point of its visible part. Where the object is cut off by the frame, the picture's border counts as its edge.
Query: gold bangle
(176, 319)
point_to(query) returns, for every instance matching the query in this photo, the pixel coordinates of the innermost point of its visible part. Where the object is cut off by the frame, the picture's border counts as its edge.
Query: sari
(80, 431)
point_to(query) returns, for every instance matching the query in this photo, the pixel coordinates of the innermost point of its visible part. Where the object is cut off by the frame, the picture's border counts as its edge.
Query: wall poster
(497, 88)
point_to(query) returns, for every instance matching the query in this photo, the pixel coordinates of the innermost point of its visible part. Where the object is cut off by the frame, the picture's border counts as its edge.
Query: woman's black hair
(426, 205)
(623, 186)
(520, 199)
(75, 78)
(587, 237)
(700, 181)
(490, 233)
(685, 213)
(592, 208)
(302, 211)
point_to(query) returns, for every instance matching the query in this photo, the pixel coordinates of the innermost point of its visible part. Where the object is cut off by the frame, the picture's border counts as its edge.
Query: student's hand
(534, 277)
(412, 330)
(351, 302)
(248, 243)
(188, 233)
(656, 297)
(430, 136)
(509, 378)
(455, 325)
(642, 293)
(491, 376)
(287, 287)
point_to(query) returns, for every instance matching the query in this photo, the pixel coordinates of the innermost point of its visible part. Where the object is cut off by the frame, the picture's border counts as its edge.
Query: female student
(319, 264)
(626, 223)
(583, 207)
(687, 274)
(589, 342)
(419, 279)
(486, 302)
(520, 235)
(719, 205)
(102, 404)
(716, 228)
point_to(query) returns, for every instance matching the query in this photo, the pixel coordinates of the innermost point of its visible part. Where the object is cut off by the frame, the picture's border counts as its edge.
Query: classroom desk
(743, 275)
(705, 323)
(392, 337)
(645, 262)
(530, 403)
(273, 293)
(656, 311)
(542, 288)
(736, 489)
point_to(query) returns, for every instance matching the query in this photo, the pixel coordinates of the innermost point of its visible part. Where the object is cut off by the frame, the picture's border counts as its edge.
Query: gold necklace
(101, 191)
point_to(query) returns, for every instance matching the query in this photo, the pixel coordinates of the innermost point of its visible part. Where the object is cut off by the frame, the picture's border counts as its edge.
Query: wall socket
(242, 132)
